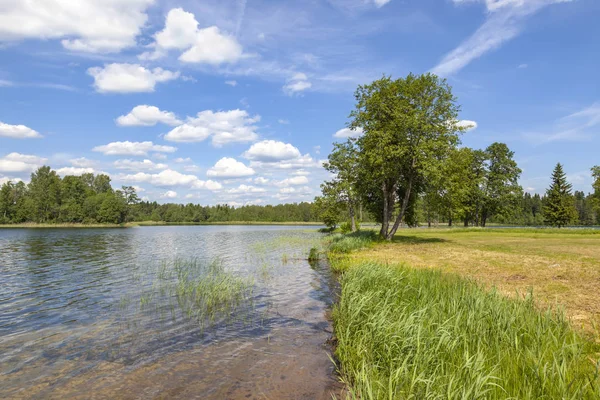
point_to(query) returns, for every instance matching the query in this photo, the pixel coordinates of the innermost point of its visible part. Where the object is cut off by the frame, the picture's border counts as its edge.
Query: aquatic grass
(407, 333)
(340, 243)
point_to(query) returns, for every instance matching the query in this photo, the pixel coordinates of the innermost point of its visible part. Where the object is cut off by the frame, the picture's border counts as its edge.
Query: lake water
(223, 312)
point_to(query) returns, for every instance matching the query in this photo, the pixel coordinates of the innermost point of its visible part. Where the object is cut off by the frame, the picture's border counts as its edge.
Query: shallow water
(98, 314)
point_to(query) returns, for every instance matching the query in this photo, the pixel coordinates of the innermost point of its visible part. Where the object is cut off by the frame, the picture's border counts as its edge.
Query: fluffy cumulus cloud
(246, 189)
(144, 115)
(297, 84)
(128, 148)
(207, 45)
(234, 126)
(272, 150)
(77, 171)
(82, 162)
(228, 167)
(18, 131)
(295, 181)
(128, 78)
(145, 165)
(467, 125)
(170, 178)
(16, 162)
(83, 25)
(348, 133)
(169, 194)
(505, 20)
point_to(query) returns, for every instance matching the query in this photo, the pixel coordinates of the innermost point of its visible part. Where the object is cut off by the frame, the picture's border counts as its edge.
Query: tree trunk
(385, 222)
(351, 212)
(466, 222)
(402, 210)
(450, 221)
(483, 219)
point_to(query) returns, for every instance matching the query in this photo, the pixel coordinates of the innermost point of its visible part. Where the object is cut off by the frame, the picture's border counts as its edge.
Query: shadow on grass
(417, 240)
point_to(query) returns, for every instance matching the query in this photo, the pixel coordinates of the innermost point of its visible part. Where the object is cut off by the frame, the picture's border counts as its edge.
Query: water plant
(407, 333)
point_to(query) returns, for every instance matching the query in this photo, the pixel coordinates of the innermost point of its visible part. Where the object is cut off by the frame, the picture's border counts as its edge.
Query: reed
(407, 333)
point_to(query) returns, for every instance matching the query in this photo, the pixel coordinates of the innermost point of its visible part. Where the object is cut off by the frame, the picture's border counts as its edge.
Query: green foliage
(410, 125)
(340, 243)
(405, 333)
(560, 209)
(328, 209)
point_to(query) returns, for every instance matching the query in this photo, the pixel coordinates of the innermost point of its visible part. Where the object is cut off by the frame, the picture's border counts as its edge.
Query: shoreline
(28, 225)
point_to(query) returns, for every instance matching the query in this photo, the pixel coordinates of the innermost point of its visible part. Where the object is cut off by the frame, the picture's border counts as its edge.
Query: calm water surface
(102, 314)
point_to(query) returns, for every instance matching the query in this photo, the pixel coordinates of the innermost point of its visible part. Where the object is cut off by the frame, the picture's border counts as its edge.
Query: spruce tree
(560, 207)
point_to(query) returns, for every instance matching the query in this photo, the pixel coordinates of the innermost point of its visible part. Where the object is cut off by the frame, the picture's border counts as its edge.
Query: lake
(223, 312)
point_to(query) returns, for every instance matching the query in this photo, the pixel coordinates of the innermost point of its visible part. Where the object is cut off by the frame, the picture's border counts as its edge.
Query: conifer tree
(560, 208)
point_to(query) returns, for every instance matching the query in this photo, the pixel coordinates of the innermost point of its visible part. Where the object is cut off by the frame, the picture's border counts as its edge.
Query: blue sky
(239, 101)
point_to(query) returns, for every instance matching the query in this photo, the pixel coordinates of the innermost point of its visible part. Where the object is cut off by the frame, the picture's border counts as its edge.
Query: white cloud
(5, 179)
(128, 78)
(17, 131)
(75, 171)
(380, 3)
(283, 121)
(206, 45)
(169, 195)
(228, 167)
(16, 162)
(84, 25)
(305, 161)
(183, 160)
(348, 133)
(224, 126)
(505, 21)
(82, 162)
(128, 148)
(271, 151)
(297, 180)
(168, 178)
(261, 181)
(144, 115)
(145, 165)
(576, 127)
(231, 83)
(245, 189)
(159, 156)
(522, 66)
(468, 125)
(296, 84)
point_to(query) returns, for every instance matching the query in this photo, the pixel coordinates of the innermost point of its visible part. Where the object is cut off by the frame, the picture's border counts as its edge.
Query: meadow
(469, 313)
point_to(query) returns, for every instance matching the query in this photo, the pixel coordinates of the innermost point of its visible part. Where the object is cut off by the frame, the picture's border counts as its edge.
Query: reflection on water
(171, 312)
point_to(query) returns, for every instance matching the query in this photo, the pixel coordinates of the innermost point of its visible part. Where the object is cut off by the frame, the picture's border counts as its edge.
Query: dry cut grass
(561, 268)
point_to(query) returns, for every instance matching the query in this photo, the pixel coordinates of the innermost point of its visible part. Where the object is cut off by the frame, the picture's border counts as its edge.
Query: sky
(239, 101)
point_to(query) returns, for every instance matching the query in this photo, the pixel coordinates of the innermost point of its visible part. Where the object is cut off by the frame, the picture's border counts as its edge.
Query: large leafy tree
(596, 193)
(501, 189)
(560, 208)
(343, 164)
(44, 189)
(410, 125)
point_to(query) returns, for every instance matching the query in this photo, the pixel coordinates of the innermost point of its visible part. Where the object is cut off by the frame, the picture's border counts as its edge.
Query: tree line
(91, 199)
(408, 167)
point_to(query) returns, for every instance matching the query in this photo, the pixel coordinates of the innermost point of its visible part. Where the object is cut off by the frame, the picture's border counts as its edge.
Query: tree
(501, 189)
(343, 163)
(328, 208)
(410, 125)
(44, 189)
(559, 209)
(596, 193)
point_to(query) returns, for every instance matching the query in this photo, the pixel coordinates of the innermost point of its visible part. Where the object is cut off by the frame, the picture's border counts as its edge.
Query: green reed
(419, 334)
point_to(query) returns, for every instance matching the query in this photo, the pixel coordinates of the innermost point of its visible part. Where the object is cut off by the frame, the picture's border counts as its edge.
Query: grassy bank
(46, 226)
(407, 330)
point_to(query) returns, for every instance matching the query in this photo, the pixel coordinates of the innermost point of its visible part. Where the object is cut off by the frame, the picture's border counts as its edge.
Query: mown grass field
(478, 314)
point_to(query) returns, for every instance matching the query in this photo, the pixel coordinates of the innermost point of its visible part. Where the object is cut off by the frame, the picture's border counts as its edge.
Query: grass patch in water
(340, 243)
(408, 333)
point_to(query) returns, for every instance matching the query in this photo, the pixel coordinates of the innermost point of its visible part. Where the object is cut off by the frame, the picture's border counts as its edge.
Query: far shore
(29, 225)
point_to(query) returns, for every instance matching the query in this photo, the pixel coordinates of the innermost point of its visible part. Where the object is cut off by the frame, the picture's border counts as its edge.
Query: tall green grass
(340, 243)
(418, 334)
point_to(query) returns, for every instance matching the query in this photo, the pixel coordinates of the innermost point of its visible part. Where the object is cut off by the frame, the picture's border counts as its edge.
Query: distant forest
(91, 199)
